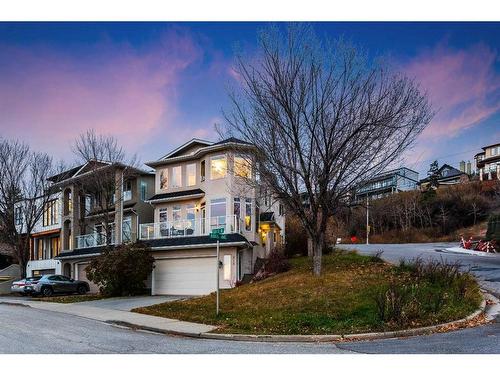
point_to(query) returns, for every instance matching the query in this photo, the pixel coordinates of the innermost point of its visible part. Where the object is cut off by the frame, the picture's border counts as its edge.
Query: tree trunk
(318, 245)
(310, 247)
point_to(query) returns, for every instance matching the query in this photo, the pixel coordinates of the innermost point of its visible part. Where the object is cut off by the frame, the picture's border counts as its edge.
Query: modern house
(387, 183)
(201, 186)
(488, 162)
(446, 175)
(72, 229)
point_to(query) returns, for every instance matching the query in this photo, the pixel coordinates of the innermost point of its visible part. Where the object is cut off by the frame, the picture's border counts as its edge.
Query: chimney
(462, 166)
(469, 168)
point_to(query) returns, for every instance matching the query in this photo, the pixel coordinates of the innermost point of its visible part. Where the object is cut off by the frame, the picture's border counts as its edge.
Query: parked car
(20, 285)
(56, 284)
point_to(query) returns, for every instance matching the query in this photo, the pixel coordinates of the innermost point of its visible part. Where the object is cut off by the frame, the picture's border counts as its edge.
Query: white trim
(78, 256)
(198, 140)
(180, 247)
(186, 257)
(178, 198)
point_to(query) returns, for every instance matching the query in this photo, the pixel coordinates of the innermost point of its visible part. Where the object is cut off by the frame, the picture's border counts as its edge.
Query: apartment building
(488, 162)
(200, 186)
(81, 220)
(387, 183)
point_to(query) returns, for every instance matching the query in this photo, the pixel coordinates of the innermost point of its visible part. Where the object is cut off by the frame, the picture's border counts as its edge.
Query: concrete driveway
(129, 303)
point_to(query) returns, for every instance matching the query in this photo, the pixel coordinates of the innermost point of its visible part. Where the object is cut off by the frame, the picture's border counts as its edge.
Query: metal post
(217, 292)
(367, 219)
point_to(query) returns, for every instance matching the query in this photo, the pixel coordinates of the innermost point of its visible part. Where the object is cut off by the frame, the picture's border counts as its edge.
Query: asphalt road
(27, 330)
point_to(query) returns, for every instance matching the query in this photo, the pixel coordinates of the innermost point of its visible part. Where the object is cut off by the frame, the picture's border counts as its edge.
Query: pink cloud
(47, 97)
(462, 84)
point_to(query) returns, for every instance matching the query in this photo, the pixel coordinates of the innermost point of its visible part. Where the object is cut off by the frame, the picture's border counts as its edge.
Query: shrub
(121, 270)
(275, 263)
(493, 232)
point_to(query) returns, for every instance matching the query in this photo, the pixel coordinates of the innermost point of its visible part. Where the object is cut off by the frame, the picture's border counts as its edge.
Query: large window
(177, 176)
(191, 174)
(217, 213)
(163, 221)
(218, 167)
(190, 218)
(176, 217)
(127, 190)
(127, 229)
(242, 167)
(164, 179)
(51, 213)
(18, 215)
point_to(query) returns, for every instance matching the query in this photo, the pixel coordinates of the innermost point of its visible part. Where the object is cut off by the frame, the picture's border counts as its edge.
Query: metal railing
(189, 227)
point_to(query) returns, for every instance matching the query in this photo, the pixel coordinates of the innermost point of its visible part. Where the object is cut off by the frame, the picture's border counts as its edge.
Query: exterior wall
(37, 265)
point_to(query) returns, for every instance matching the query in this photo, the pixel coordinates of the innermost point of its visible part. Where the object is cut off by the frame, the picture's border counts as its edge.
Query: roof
(175, 155)
(493, 145)
(81, 252)
(453, 172)
(177, 194)
(266, 216)
(195, 240)
(66, 174)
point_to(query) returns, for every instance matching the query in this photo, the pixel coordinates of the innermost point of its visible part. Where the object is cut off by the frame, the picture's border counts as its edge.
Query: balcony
(189, 227)
(99, 239)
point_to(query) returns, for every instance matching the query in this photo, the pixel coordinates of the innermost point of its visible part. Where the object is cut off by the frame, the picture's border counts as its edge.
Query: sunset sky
(156, 85)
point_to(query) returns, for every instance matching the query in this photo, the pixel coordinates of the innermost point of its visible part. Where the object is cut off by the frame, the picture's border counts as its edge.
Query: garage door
(82, 275)
(186, 276)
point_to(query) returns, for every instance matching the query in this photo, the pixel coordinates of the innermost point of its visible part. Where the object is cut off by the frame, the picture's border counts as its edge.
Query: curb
(310, 338)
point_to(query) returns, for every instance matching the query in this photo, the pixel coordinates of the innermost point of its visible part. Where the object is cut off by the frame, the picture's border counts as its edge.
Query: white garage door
(82, 275)
(186, 276)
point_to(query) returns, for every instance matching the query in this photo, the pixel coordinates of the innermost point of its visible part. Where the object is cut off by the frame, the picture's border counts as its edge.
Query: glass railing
(189, 227)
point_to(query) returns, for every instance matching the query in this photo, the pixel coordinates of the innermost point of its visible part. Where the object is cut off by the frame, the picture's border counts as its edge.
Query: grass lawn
(343, 300)
(73, 298)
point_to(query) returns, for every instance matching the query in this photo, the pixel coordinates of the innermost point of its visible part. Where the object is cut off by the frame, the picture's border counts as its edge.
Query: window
(218, 167)
(51, 213)
(127, 229)
(190, 216)
(237, 208)
(164, 179)
(127, 190)
(242, 167)
(18, 215)
(227, 267)
(177, 176)
(144, 190)
(163, 221)
(176, 217)
(88, 203)
(217, 213)
(280, 209)
(248, 214)
(191, 174)
(202, 171)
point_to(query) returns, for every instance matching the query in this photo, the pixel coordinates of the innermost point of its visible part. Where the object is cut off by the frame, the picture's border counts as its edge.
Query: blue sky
(156, 85)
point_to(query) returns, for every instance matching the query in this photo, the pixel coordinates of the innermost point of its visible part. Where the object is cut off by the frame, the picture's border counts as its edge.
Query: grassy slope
(295, 302)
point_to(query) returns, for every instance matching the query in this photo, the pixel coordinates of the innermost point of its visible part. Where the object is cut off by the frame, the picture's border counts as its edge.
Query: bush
(121, 270)
(277, 262)
(493, 232)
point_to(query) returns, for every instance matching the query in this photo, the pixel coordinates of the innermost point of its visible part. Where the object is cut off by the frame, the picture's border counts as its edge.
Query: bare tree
(107, 168)
(24, 191)
(322, 118)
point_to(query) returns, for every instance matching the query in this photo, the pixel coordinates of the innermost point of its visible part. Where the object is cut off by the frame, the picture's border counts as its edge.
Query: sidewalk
(116, 316)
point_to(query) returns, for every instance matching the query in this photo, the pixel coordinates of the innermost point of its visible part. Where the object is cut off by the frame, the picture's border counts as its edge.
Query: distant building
(387, 183)
(488, 162)
(447, 175)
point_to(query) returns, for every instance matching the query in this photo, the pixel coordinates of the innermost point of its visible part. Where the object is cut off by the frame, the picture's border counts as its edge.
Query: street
(29, 330)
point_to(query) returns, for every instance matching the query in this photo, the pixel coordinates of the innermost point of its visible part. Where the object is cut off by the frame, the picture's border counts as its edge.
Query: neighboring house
(488, 162)
(446, 175)
(76, 232)
(200, 187)
(387, 183)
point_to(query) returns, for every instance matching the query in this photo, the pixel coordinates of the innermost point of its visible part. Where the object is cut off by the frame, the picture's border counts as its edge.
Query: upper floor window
(495, 151)
(191, 174)
(18, 215)
(51, 213)
(242, 167)
(127, 190)
(144, 190)
(280, 209)
(202, 171)
(164, 179)
(218, 167)
(177, 176)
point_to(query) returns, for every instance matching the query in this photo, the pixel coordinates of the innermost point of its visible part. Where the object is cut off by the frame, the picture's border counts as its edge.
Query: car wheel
(47, 291)
(81, 289)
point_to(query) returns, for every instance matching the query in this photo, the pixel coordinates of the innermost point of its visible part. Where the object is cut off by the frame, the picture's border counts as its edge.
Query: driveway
(129, 303)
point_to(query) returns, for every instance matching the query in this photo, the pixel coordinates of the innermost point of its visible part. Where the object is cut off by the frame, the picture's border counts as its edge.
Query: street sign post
(218, 234)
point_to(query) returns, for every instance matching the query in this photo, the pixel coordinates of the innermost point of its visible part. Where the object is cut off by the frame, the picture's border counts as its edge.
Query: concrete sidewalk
(116, 316)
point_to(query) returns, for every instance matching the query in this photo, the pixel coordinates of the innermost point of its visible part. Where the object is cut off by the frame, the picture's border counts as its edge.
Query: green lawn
(342, 300)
